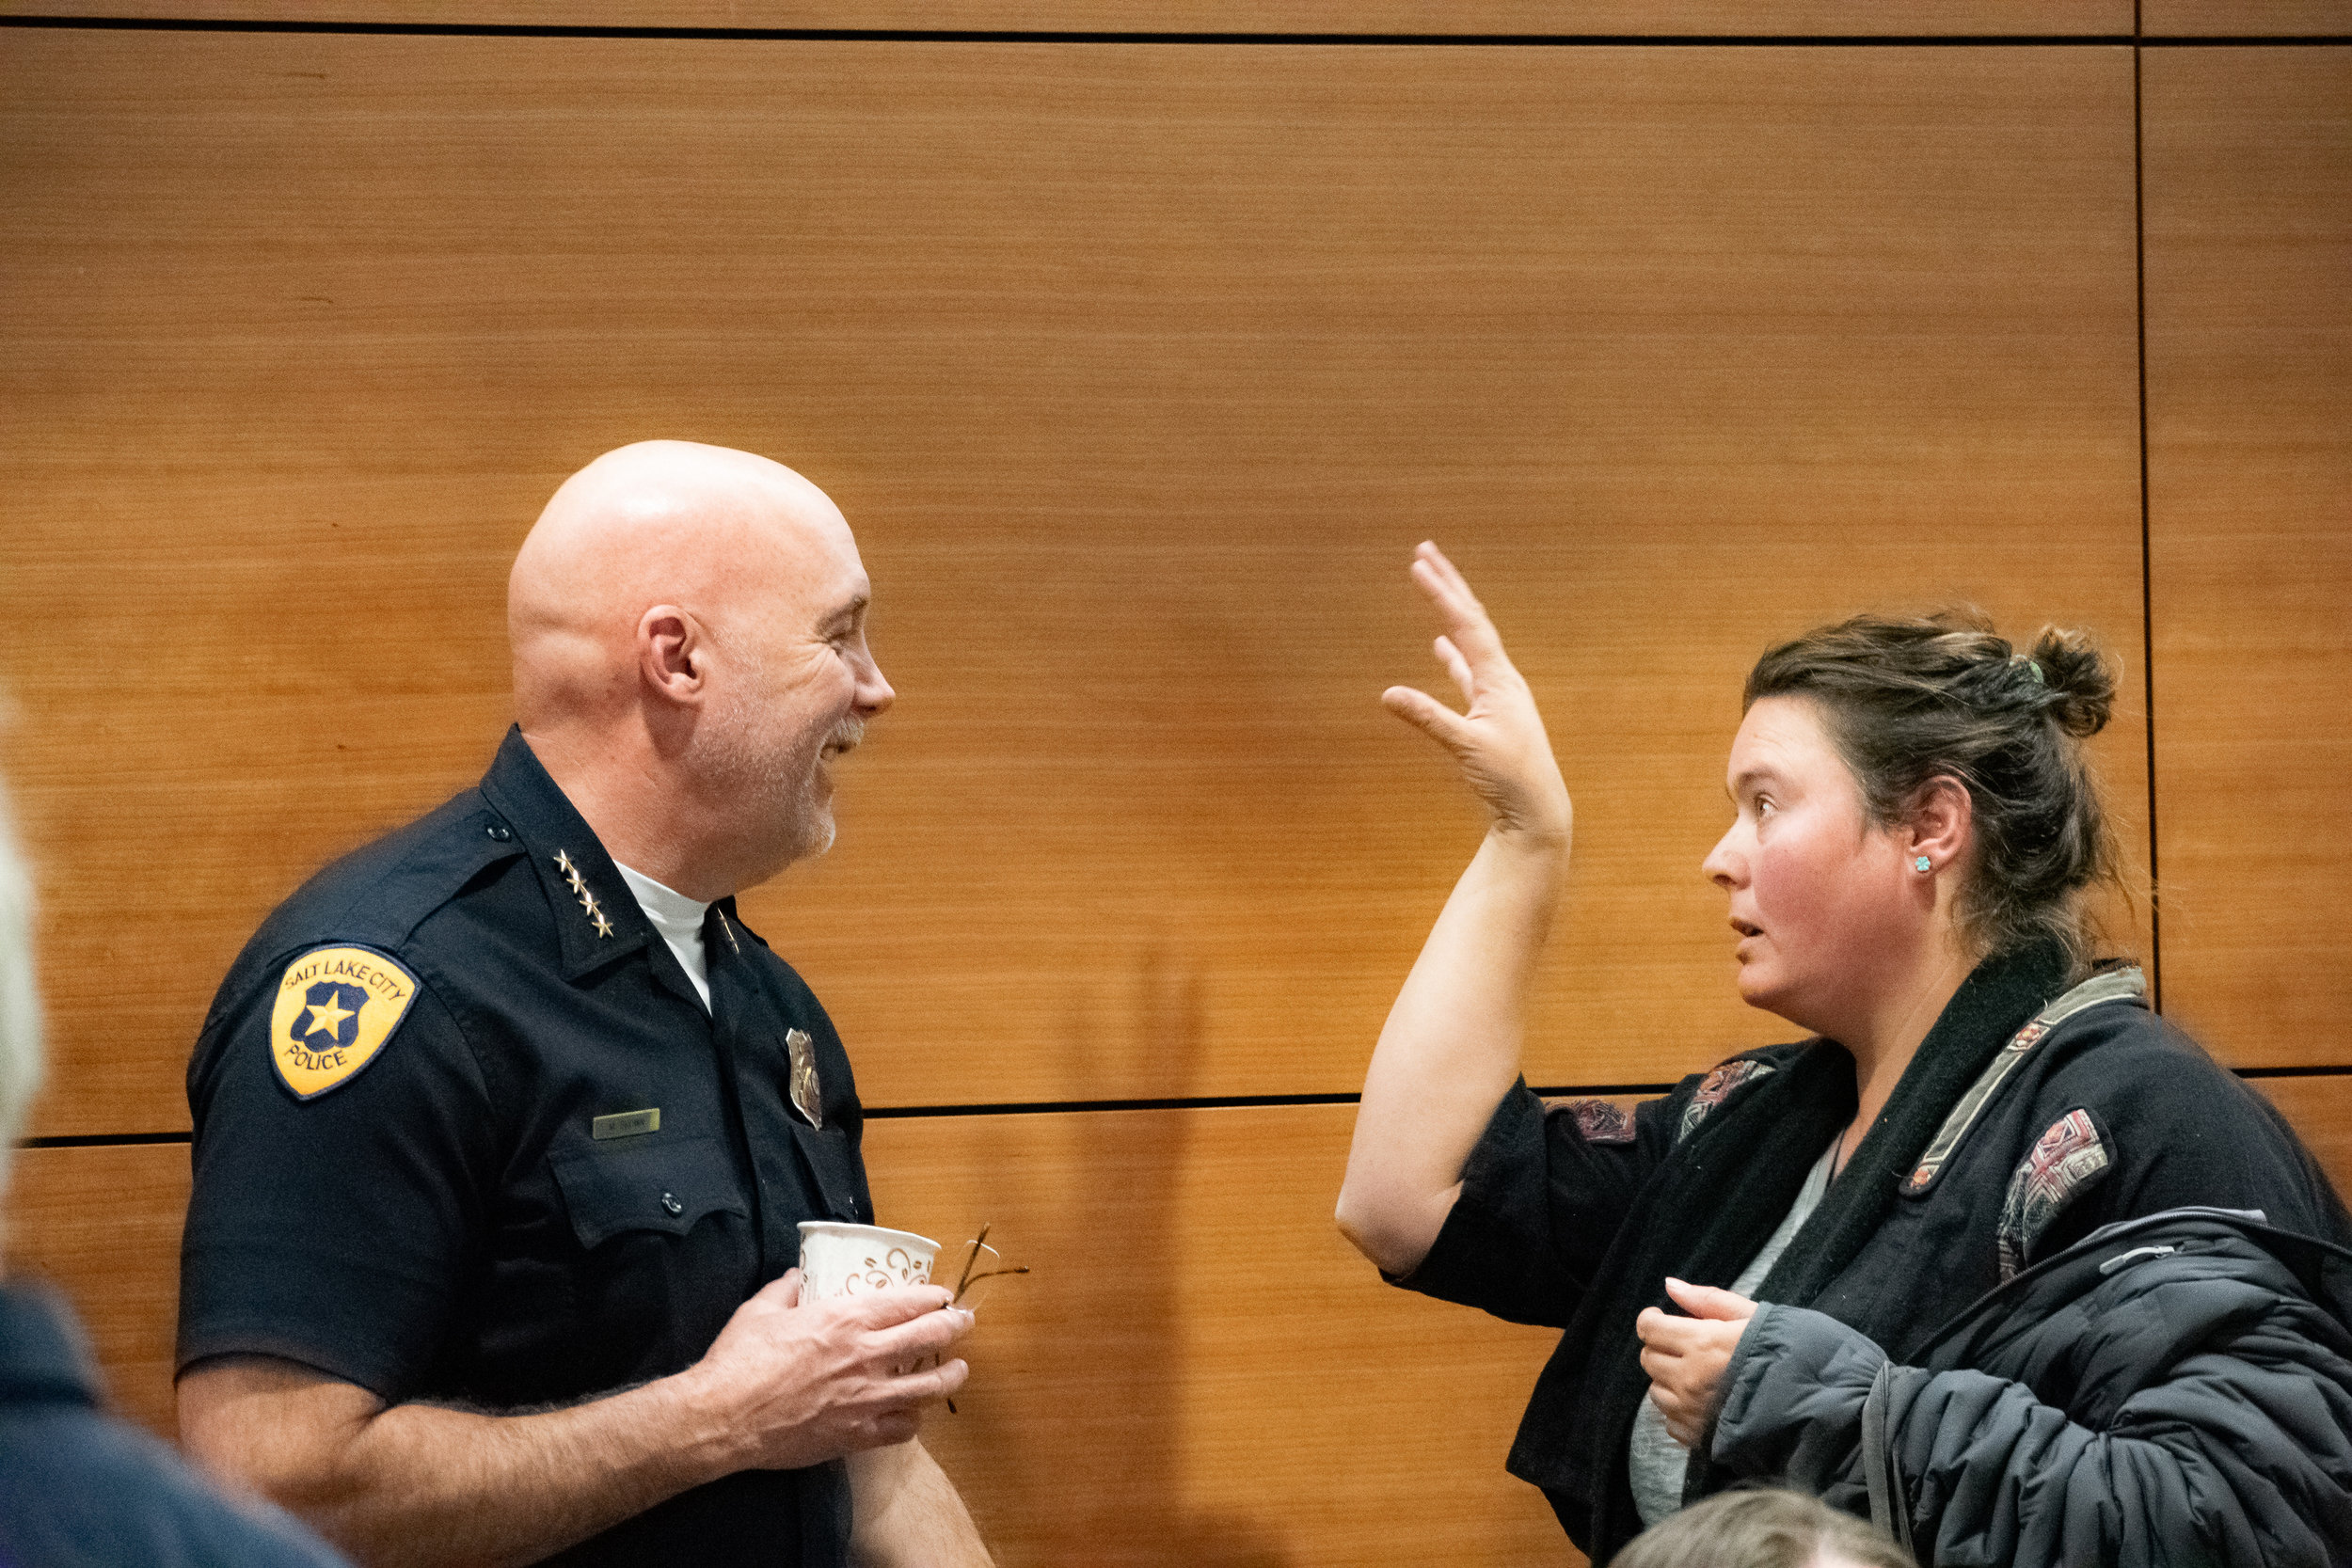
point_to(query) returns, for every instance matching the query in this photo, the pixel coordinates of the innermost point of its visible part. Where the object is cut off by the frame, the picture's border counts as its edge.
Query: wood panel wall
(1426, 18)
(2246, 18)
(1139, 368)
(2249, 471)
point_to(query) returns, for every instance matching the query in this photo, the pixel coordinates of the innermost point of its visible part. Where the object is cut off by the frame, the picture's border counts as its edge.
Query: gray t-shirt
(1658, 1462)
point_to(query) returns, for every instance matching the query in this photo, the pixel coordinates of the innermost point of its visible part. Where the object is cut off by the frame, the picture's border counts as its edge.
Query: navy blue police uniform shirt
(465, 1134)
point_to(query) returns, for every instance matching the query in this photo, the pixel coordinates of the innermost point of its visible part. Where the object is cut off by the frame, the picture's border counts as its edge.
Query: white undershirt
(1657, 1461)
(680, 920)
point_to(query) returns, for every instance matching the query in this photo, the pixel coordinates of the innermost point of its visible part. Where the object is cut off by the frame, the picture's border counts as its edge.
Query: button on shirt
(560, 1174)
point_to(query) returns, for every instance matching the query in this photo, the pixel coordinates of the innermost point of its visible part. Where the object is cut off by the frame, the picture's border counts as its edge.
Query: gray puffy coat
(2172, 1389)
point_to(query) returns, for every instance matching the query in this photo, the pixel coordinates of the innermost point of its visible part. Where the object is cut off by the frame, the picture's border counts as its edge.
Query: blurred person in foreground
(1768, 1528)
(80, 1489)
(504, 1123)
(1996, 1255)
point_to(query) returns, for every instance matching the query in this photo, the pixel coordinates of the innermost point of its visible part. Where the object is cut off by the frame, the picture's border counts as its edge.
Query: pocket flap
(665, 1184)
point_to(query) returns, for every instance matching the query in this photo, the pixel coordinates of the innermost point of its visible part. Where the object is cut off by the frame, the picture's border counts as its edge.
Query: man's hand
(785, 1386)
(1685, 1357)
(794, 1385)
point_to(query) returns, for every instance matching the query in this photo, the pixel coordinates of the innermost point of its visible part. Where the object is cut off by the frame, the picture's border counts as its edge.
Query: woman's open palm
(1499, 740)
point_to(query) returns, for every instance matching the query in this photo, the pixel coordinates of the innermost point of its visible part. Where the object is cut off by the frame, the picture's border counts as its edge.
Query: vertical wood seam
(2147, 567)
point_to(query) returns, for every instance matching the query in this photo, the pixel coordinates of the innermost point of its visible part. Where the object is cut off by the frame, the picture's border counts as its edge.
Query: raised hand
(1498, 742)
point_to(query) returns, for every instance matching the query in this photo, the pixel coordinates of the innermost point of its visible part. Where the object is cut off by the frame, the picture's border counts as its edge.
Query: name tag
(625, 1124)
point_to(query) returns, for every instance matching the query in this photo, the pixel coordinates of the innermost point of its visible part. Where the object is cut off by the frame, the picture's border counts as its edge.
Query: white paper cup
(854, 1259)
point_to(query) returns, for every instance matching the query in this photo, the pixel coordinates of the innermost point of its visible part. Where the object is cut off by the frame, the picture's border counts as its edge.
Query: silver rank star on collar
(580, 890)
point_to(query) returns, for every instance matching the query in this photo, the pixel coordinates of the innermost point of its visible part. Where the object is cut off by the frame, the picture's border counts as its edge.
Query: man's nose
(874, 692)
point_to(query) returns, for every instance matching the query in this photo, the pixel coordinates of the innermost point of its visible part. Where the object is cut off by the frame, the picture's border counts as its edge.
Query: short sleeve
(1541, 1202)
(334, 1231)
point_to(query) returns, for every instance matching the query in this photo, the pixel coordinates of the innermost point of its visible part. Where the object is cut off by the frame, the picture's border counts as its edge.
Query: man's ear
(672, 655)
(1943, 818)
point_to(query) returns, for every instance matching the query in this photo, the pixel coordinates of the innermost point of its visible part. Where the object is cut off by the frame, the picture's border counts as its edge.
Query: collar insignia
(335, 1012)
(807, 1098)
(580, 890)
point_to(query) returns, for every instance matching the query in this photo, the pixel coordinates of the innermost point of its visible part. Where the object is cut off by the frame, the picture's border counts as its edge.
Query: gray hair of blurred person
(20, 1003)
(1763, 1528)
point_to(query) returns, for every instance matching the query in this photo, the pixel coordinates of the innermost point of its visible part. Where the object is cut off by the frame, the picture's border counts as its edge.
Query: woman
(1915, 832)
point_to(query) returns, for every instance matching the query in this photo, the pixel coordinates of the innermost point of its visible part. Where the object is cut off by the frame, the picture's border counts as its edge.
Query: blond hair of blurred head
(20, 1003)
(1763, 1528)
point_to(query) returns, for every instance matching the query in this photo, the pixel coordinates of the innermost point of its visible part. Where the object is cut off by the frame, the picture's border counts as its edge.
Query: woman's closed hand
(1499, 741)
(1685, 1357)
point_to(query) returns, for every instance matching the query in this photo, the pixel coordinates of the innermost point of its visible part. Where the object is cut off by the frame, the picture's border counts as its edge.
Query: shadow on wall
(1068, 1443)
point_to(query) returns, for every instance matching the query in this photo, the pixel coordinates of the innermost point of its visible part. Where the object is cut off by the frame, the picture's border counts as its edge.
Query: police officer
(504, 1123)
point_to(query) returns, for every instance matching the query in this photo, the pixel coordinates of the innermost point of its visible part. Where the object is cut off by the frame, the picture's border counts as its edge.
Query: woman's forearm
(1451, 1047)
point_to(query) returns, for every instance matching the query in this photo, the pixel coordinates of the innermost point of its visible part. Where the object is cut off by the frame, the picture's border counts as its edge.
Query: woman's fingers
(1427, 715)
(1663, 1331)
(1447, 576)
(1497, 740)
(1682, 1425)
(1708, 1301)
(1465, 619)
(1458, 667)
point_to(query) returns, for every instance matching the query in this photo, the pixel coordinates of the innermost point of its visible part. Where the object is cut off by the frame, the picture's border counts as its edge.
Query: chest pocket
(666, 1185)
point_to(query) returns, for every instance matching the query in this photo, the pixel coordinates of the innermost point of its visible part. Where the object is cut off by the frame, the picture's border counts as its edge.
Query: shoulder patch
(2068, 1160)
(335, 1012)
(1717, 1088)
(1597, 1121)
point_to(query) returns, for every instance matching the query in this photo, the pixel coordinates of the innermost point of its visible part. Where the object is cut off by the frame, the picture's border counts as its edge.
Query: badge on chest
(807, 1098)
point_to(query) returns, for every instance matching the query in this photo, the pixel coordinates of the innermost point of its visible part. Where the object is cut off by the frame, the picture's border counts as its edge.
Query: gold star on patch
(327, 1017)
(604, 927)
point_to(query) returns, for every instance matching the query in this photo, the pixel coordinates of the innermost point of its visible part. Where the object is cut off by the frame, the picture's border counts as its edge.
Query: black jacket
(1573, 1214)
(2175, 1389)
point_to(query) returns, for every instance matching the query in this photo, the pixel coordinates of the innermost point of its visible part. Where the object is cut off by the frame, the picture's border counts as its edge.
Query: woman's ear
(1941, 821)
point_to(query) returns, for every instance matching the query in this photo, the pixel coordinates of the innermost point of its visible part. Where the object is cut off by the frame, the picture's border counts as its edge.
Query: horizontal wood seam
(1066, 1107)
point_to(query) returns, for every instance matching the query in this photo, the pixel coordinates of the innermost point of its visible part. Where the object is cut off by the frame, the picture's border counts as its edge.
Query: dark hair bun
(2080, 679)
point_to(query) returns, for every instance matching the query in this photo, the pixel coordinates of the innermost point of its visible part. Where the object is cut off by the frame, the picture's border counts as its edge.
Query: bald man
(504, 1123)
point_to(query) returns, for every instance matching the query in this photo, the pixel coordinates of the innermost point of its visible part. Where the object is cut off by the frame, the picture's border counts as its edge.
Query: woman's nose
(1719, 865)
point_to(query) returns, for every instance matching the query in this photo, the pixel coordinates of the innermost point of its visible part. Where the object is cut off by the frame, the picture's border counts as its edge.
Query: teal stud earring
(1923, 863)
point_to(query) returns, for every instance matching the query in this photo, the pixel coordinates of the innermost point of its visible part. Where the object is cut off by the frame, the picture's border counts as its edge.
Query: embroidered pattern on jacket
(1716, 1088)
(2115, 984)
(2064, 1163)
(1600, 1122)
